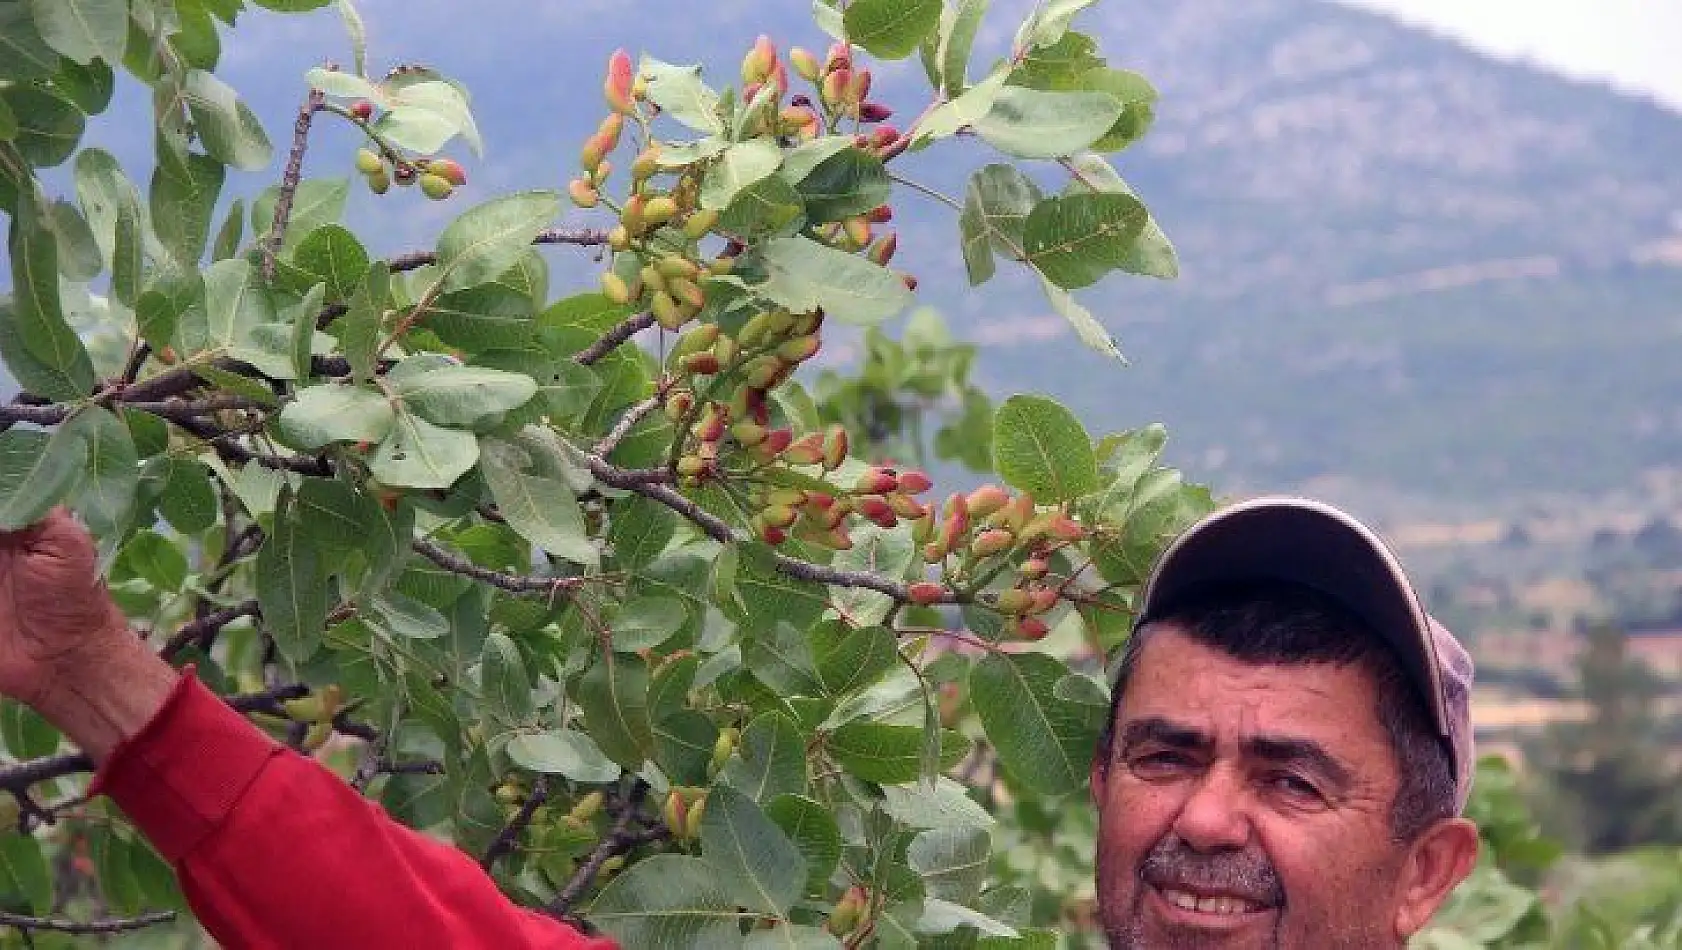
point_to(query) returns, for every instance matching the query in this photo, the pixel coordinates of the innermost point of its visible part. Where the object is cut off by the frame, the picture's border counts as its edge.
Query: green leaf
(49, 125)
(79, 258)
(944, 806)
(779, 657)
(35, 339)
(1076, 239)
(342, 84)
(23, 53)
(771, 759)
(23, 870)
(646, 622)
(105, 194)
(505, 688)
(188, 500)
(301, 345)
(964, 110)
(956, 40)
(458, 395)
(1035, 123)
(613, 693)
(881, 551)
(1152, 254)
(770, 596)
(952, 861)
(756, 862)
(1044, 742)
(680, 93)
(640, 530)
(336, 412)
(891, 29)
(291, 588)
(941, 916)
(849, 660)
(566, 752)
(227, 240)
(1049, 21)
(1041, 448)
(291, 6)
(418, 454)
(25, 734)
(683, 744)
(110, 481)
(804, 275)
(668, 900)
(229, 130)
(333, 255)
(1086, 326)
(765, 207)
(742, 164)
(542, 509)
(813, 830)
(488, 239)
(887, 754)
(316, 202)
(153, 557)
(564, 388)
(8, 122)
(83, 29)
(423, 113)
(786, 936)
(486, 317)
(359, 328)
(848, 183)
(182, 198)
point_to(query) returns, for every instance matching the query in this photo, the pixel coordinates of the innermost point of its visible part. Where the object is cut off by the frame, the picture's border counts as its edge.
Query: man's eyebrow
(1155, 729)
(1303, 753)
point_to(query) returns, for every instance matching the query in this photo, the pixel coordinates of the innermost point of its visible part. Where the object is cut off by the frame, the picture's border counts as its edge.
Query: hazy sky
(1633, 43)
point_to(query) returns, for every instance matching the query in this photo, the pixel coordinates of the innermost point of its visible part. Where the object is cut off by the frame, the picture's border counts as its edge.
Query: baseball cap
(1306, 542)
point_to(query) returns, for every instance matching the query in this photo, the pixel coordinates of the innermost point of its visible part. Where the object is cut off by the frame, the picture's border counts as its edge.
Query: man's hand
(65, 648)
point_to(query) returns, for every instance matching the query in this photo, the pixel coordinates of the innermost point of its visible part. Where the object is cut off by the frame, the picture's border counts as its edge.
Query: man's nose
(1216, 816)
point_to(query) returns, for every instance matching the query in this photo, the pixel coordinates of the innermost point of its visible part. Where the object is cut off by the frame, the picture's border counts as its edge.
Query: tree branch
(19, 777)
(583, 237)
(627, 422)
(612, 338)
(110, 925)
(510, 832)
(289, 180)
(512, 583)
(719, 530)
(212, 622)
(618, 841)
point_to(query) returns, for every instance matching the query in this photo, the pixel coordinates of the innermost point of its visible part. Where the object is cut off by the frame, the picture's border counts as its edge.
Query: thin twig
(111, 925)
(210, 623)
(512, 583)
(289, 180)
(612, 338)
(583, 237)
(618, 841)
(627, 422)
(510, 832)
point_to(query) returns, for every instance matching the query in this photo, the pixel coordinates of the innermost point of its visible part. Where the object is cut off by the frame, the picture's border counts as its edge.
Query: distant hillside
(1403, 263)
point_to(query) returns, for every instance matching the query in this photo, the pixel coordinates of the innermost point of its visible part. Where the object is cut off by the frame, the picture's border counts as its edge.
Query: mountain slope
(1402, 262)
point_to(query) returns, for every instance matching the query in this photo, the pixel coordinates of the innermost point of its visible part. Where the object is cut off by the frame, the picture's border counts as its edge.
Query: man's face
(1247, 806)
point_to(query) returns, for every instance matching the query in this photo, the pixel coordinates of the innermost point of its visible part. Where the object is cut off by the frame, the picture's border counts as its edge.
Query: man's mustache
(1246, 874)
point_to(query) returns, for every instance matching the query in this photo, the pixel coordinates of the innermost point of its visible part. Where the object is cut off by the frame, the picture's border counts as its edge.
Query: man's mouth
(1225, 905)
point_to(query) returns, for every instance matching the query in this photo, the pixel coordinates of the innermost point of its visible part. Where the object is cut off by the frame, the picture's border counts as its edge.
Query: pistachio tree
(605, 584)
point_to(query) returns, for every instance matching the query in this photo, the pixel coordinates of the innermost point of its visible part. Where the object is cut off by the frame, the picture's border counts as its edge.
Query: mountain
(1440, 279)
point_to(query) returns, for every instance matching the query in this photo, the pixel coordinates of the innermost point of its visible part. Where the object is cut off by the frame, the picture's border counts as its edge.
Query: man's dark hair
(1269, 622)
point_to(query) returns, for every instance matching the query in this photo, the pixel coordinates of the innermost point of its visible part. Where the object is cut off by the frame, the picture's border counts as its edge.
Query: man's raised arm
(271, 848)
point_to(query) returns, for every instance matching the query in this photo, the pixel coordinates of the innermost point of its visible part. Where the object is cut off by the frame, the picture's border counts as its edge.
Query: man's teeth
(1209, 905)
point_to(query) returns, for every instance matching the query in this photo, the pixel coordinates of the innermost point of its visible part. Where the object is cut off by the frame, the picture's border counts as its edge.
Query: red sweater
(273, 850)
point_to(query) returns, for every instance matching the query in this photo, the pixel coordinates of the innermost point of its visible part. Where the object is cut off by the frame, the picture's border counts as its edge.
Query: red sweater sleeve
(273, 850)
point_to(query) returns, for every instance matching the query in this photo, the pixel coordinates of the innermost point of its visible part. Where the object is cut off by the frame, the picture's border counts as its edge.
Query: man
(1289, 750)
(1285, 766)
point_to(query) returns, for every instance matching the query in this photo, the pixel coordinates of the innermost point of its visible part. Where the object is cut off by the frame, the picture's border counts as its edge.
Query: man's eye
(1294, 785)
(1161, 763)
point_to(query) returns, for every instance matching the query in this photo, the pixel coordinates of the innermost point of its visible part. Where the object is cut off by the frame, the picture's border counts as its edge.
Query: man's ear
(1095, 778)
(1439, 860)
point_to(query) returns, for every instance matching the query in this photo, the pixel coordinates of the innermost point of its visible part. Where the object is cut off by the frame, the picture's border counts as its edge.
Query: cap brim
(1305, 542)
